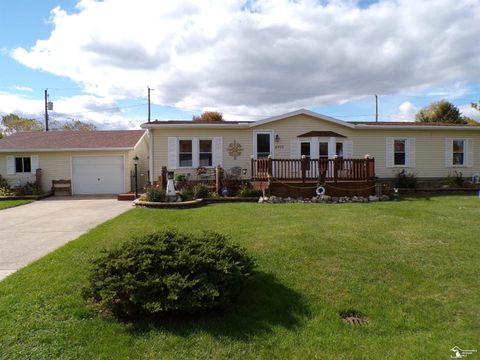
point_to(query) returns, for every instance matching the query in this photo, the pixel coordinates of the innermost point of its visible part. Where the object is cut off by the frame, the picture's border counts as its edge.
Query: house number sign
(234, 149)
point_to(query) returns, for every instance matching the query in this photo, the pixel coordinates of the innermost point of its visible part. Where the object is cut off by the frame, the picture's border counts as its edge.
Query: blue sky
(280, 55)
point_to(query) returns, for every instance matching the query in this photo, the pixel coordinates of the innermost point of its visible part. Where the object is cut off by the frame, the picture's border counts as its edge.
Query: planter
(170, 205)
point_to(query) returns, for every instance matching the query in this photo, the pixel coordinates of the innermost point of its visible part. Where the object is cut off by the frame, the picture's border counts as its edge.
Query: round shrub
(168, 272)
(200, 191)
(155, 194)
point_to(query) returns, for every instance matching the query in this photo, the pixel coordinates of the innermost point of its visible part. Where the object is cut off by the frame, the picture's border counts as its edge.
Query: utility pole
(148, 103)
(46, 109)
(376, 108)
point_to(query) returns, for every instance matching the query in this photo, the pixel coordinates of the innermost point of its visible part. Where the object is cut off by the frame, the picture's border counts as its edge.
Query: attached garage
(97, 174)
(95, 162)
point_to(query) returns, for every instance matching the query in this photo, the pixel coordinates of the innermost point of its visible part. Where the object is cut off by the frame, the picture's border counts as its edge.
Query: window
(263, 145)
(323, 150)
(205, 152)
(339, 149)
(399, 152)
(185, 153)
(458, 152)
(305, 149)
(23, 165)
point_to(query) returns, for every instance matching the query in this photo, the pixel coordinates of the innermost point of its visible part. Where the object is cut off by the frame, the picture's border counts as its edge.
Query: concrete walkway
(31, 231)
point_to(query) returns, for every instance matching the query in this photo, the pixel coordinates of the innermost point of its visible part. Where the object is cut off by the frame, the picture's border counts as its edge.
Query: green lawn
(12, 203)
(412, 267)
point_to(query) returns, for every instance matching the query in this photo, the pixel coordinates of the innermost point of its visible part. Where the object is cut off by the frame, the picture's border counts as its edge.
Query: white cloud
(467, 110)
(22, 88)
(250, 59)
(406, 112)
(102, 112)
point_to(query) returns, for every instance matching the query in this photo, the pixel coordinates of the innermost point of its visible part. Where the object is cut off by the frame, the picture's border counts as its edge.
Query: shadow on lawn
(263, 304)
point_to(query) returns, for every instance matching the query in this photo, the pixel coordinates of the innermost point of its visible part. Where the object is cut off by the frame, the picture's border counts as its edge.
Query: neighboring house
(428, 150)
(96, 162)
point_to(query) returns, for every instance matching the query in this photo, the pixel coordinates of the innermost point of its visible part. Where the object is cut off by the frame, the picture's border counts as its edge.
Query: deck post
(253, 172)
(163, 183)
(336, 161)
(368, 167)
(303, 163)
(218, 180)
(270, 166)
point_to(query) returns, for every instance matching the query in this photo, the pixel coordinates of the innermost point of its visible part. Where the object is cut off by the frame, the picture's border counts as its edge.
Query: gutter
(65, 149)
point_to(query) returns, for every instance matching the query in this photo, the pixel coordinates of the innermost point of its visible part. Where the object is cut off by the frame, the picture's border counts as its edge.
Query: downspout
(150, 155)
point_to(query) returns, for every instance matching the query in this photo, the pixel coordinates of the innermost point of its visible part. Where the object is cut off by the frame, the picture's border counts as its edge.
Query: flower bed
(191, 203)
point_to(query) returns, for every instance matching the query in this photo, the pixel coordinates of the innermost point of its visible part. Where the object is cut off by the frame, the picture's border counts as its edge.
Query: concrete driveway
(31, 231)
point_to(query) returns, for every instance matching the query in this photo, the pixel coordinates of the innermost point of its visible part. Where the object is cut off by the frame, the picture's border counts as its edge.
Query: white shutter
(348, 149)
(10, 165)
(332, 148)
(314, 148)
(469, 152)
(448, 152)
(196, 152)
(294, 149)
(217, 147)
(34, 163)
(389, 161)
(410, 152)
(172, 153)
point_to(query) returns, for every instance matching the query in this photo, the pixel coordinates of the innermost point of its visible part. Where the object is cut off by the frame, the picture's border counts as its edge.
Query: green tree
(209, 116)
(73, 125)
(476, 106)
(13, 123)
(442, 112)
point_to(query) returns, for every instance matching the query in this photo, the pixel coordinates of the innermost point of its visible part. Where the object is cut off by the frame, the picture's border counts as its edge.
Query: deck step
(126, 197)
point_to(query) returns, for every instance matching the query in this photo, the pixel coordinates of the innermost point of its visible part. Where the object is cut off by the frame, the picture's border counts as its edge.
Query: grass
(12, 203)
(412, 267)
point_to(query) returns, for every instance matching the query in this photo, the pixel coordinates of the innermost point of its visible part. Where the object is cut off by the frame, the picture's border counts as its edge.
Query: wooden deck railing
(305, 169)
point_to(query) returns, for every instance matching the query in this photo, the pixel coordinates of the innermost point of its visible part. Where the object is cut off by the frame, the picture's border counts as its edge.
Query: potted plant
(180, 181)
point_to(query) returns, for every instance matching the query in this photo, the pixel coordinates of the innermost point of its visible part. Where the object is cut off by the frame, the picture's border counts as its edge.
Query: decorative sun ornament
(235, 149)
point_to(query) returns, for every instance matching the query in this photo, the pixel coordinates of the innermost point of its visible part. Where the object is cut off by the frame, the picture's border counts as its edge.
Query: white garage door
(97, 175)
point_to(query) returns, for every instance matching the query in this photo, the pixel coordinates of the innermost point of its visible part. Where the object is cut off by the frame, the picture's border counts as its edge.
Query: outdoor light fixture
(277, 138)
(135, 162)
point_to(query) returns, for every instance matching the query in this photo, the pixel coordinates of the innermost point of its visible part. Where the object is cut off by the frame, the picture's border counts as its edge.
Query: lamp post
(135, 163)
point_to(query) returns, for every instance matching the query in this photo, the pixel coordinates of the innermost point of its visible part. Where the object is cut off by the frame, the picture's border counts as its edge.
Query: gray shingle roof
(64, 140)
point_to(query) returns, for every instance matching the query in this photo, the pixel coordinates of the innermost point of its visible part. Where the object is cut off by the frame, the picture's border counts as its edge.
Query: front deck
(300, 177)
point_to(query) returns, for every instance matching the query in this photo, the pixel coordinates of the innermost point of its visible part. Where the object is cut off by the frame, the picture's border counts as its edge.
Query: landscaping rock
(324, 199)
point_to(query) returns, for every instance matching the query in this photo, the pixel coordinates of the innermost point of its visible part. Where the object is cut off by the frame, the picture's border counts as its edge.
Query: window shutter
(331, 147)
(410, 152)
(294, 149)
(448, 152)
(348, 149)
(172, 153)
(217, 156)
(10, 165)
(314, 148)
(469, 152)
(34, 163)
(389, 156)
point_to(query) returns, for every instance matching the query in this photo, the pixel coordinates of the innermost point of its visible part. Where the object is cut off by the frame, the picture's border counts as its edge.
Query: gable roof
(303, 112)
(71, 140)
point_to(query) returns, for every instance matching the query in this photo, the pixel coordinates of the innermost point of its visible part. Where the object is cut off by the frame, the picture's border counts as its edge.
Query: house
(300, 145)
(96, 162)
(431, 151)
